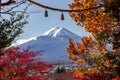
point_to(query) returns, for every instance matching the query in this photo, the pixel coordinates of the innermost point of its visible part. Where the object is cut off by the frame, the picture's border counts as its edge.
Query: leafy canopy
(22, 65)
(103, 23)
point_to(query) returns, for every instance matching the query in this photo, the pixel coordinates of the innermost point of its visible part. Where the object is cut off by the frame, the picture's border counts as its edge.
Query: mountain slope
(53, 42)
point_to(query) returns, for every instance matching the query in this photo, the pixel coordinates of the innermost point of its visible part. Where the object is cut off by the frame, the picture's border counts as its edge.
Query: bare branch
(8, 3)
(15, 6)
(65, 10)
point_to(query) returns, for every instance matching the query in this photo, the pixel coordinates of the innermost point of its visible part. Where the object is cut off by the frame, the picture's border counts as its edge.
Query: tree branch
(17, 4)
(64, 10)
(8, 3)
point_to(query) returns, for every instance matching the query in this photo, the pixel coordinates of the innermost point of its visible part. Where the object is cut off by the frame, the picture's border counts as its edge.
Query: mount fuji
(54, 43)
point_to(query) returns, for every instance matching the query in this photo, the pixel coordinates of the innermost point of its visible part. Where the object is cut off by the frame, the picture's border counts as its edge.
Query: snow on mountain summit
(52, 32)
(22, 41)
(58, 31)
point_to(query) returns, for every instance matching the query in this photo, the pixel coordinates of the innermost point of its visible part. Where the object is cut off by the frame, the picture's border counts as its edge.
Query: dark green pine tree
(60, 70)
(10, 28)
(63, 69)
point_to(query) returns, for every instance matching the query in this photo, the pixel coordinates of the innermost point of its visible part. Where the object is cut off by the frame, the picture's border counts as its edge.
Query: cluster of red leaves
(20, 65)
(95, 77)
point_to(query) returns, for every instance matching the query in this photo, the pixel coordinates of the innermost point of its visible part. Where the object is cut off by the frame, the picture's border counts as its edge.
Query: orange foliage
(93, 20)
(91, 54)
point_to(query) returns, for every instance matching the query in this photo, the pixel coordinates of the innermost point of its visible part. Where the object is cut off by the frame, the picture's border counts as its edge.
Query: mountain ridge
(54, 43)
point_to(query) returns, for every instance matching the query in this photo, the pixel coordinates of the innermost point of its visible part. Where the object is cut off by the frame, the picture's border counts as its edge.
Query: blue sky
(39, 24)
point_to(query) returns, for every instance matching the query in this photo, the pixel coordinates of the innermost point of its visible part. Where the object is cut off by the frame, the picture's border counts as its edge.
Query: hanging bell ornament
(46, 13)
(62, 16)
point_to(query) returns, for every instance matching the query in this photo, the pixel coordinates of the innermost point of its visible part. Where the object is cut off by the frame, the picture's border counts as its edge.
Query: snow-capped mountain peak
(52, 32)
(54, 43)
(58, 31)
